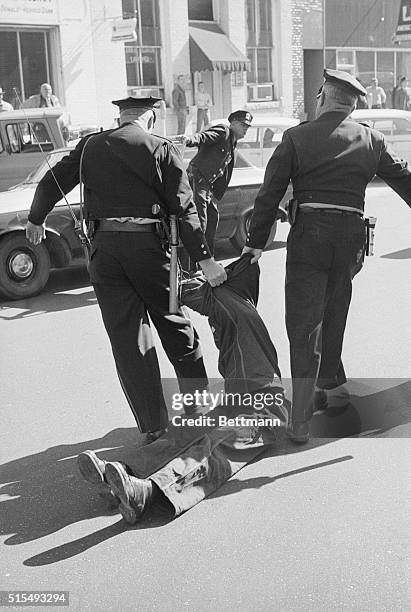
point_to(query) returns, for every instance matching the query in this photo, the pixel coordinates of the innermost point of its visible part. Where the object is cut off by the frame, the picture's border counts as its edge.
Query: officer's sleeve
(395, 172)
(278, 173)
(207, 137)
(171, 181)
(63, 178)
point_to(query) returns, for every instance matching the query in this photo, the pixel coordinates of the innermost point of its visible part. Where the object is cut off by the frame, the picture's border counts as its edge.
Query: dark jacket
(179, 98)
(330, 160)
(215, 157)
(401, 99)
(125, 172)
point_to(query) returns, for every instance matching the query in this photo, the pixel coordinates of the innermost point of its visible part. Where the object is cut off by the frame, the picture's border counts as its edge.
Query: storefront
(360, 38)
(69, 45)
(28, 47)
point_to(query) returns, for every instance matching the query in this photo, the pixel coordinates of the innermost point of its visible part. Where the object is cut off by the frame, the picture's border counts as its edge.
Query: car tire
(239, 239)
(24, 268)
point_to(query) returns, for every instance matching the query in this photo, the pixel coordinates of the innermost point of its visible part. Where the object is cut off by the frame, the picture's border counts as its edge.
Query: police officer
(126, 171)
(211, 169)
(330, 161)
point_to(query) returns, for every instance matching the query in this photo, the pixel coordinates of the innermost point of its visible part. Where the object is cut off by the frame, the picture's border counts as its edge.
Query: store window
(385, 64)
(200, 10)
(259, 50)
(143, 58)
(24, 63)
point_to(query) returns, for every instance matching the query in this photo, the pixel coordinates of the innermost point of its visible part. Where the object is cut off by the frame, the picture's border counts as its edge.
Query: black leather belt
(106, 225)
(335, 211)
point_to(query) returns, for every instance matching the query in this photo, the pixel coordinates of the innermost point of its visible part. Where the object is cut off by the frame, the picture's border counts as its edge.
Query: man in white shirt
(203, 106)
(4, 106)
(376, 95)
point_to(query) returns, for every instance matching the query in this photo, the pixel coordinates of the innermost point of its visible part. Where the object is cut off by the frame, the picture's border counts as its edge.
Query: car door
(22, 149)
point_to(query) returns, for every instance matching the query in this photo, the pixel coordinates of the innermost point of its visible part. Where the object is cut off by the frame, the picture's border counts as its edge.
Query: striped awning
(210, 49)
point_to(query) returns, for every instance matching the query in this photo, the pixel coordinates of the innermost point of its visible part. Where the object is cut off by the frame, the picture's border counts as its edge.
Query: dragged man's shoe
(135, 494)
(93, 470)
(299, 432)
(152, 436)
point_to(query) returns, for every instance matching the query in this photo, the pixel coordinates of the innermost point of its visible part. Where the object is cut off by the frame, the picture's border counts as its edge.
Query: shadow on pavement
(55, 296)
(403, 254)
(43, 493)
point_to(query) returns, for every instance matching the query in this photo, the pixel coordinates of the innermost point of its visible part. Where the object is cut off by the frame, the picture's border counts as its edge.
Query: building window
(200, 10)
(365, 64)
(143, 58)
(259, 50)
(24, 63)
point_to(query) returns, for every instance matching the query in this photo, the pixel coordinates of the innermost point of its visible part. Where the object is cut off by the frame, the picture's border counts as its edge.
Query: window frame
(139, 47)
(254, 85)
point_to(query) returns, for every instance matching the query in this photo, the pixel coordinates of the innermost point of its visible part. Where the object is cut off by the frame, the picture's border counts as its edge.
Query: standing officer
(330, 161)
(211, 169)
(125, 172)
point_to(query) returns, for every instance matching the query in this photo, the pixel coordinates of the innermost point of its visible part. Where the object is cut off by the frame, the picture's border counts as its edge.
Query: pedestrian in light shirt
(4, 106)
(376, 95)
(203, 106)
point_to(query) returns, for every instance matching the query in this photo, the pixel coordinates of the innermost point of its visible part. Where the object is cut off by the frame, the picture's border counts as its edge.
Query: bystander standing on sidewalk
(402, 96)
(4, 106)
(376, 95)
(180, 104)
(204, 103)
(44, 99)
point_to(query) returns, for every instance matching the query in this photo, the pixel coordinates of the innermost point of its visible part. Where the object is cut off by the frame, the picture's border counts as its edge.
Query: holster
(292, 209)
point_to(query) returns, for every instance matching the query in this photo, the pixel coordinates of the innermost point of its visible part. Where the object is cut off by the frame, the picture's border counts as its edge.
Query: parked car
(262, 138)
(24, 268)
(25, 135)
(394, 124)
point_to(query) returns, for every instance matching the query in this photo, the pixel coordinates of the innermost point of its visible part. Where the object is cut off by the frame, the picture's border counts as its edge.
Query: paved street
(317, 528)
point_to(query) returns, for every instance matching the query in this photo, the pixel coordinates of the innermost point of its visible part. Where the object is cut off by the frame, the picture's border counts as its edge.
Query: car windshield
(49, 161)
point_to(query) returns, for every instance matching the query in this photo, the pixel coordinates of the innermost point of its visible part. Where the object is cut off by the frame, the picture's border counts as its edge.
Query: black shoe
(299, 432)
(93, 470)
(329, 399)
(152, 436)
(135, 495)
(320, 400)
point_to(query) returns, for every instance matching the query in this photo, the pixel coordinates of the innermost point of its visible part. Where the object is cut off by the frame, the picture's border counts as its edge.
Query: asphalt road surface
(317, 528)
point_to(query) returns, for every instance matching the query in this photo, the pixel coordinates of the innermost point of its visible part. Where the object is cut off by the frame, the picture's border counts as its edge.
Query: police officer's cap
(345, 80)
(241, 115)
(141, 103)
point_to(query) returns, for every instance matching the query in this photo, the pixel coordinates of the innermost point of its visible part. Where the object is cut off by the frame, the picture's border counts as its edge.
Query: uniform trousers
(324, 252)
(130, 275)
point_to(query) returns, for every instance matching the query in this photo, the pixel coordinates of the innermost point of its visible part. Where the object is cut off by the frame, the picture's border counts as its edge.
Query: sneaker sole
(118, 486)
(89, 468)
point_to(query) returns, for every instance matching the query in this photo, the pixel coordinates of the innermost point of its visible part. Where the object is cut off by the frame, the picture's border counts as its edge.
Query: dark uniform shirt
(329, 160)
(215, 157)
(126, 171)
